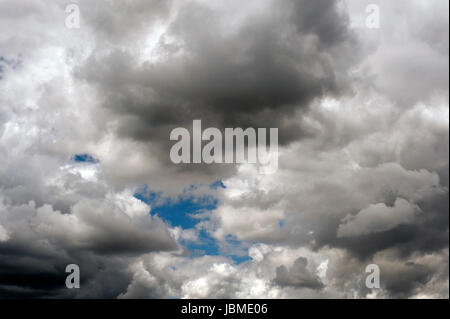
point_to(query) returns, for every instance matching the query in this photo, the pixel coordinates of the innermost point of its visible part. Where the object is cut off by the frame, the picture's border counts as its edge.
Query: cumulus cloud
(297, 276)
(362, 116)
(378, 218)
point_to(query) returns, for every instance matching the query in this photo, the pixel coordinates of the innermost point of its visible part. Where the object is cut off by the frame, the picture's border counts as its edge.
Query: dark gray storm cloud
(362, 116)
(297, 276)
(95, 235)
(257, 73)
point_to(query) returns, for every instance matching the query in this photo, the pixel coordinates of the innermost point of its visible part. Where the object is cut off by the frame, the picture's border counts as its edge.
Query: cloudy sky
(86, 178)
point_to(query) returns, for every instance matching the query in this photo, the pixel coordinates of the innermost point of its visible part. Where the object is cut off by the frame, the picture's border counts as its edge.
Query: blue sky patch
(218, 184)
(177, 212)
(84, 158)
(186, 211)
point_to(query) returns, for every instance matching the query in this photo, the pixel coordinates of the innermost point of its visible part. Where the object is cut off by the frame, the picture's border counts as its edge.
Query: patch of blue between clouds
(84, 158)
(187, 211)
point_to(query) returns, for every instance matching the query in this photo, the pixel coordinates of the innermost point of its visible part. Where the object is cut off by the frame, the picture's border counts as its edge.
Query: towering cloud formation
(362, 118)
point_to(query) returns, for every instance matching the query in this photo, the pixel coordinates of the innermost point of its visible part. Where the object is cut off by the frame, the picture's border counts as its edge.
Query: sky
(362, 112)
